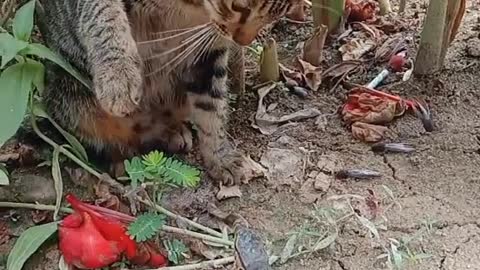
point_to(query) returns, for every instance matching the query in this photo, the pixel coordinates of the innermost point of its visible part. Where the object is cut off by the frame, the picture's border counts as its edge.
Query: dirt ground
(438, 185)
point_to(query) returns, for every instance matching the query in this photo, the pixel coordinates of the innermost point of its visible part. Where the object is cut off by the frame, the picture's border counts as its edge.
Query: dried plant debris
(267, 123)
(368, 132)
(357, 174)
(393, 148)
(360, 10)
(313, 48)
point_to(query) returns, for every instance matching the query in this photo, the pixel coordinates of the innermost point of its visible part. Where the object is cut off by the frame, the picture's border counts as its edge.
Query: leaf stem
(197, 235)
(203, 265)
(41, 207)
(186, 220)
(62, 150)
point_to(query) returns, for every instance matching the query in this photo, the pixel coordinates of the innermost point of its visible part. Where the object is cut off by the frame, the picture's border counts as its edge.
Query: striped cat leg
(208, 102)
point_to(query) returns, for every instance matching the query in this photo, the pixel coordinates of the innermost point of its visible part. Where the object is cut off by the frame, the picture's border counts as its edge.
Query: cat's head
(241, 20)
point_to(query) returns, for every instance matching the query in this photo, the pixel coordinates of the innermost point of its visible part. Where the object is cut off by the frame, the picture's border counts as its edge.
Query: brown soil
(440, 181)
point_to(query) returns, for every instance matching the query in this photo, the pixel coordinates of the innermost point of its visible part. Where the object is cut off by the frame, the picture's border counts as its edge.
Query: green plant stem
(41, 207)
(186, 220)
(203, 265)
(197, 235)
(62, 150)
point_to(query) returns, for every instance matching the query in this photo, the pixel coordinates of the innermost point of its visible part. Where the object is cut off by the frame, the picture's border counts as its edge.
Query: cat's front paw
(228, 168)
(119, 86)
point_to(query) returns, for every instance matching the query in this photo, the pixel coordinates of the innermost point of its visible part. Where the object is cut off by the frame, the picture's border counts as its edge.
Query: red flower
(95, 237)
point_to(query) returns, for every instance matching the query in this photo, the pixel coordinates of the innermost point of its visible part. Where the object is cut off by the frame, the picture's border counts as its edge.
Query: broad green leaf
(44, 52)
(288, 248)
(23, 21)
(57, 180)
(38, 74)
(28, 243)
(4, 181)
(9, 48)
(16, 83)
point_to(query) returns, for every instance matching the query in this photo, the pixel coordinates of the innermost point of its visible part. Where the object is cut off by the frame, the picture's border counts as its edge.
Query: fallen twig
(202, 265)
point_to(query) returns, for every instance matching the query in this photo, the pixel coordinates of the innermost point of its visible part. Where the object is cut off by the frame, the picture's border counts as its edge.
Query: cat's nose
(244, 38)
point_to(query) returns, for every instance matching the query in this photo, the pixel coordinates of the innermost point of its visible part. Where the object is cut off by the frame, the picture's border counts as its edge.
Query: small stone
(322, 182)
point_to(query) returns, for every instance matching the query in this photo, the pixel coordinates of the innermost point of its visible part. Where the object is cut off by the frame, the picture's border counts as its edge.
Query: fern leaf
(135, 170)
(146, 226)
(179, 173)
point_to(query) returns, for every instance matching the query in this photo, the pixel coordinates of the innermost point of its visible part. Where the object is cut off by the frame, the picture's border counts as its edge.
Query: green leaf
(16, 82)
(38, 74)
(57, 180)
(45, 53)
(175, 249)
(4, 181)
(23, 21)
(9, 48)
(180, 174)
(135, 170)
(146, 226)
(28, 243)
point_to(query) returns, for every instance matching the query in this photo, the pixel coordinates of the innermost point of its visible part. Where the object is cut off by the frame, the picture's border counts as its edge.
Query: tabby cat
(156, 65)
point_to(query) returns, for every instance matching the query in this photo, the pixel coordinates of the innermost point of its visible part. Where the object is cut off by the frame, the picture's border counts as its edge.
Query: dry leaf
(228, 192)
(355, 48)
(41, 217)
(367, 107)
(360, 10)
(341, 69)
(268, 124)
(313, 48)
(313, 74)
(392, 46)
(252, 169)
(368, 132)
(4, 233)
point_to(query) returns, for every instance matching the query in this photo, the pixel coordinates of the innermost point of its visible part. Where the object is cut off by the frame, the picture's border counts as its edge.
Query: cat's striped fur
(155, 65)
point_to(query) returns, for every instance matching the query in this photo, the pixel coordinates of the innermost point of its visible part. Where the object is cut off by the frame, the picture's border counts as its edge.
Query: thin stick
(197, 235)
(41, 207)
(202, 265)
(186, 220)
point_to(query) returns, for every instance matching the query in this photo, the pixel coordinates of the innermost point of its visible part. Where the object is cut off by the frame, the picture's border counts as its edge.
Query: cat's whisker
(202, 44)
(182, 45)
(182, 29)
(206, 48)
(190, 48)
(147, 42)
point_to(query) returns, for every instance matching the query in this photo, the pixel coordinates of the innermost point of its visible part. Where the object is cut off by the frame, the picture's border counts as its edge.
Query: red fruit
(397, 62)
(83, 246)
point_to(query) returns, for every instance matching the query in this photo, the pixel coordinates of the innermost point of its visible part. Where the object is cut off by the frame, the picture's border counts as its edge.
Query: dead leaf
(392, 46)
(292, 77)
(360, 10)
(41, 217)
(200, 248)
(228, 192)
(355, 48)
(308, 193)
(365, 106)
(268, 124)
(252, 169)
(4, 233)
(311, 73)
(368, 132)
(313, 48)
(341, 69)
